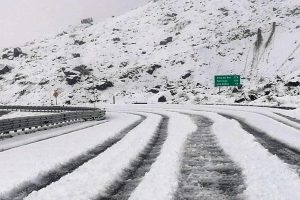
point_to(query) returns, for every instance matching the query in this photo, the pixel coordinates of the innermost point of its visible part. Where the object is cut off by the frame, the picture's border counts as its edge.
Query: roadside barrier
(66, 115)
(46, 108)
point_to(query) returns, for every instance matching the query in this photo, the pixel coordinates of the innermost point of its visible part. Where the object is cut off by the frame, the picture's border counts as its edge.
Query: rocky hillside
(168, 50)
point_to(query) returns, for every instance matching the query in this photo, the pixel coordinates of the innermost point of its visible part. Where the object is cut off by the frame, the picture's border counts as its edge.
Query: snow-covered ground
(168, 50)
(14, 114)
(138, 154)
(38, 158)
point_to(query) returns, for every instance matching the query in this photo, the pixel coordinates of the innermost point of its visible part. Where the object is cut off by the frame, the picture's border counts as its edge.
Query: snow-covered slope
(167, 50)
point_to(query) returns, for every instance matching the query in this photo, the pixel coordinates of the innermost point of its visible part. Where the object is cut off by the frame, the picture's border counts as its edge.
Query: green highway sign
(227, 80)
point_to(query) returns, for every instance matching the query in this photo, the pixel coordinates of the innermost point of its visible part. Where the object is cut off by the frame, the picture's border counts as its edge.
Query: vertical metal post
(94, 90)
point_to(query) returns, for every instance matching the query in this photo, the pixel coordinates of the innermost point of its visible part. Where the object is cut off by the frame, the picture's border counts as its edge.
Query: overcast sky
(26, 20)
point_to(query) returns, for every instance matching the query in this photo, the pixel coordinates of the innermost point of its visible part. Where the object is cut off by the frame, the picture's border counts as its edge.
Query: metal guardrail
(22, 123)
(46, 108)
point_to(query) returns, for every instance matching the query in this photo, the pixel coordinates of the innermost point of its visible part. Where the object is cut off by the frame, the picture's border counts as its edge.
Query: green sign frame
(227, 80)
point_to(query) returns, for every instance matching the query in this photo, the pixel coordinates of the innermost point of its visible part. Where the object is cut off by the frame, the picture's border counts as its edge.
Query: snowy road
(160, 152)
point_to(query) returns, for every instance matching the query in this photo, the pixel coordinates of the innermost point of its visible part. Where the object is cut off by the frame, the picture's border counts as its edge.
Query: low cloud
(26, 20)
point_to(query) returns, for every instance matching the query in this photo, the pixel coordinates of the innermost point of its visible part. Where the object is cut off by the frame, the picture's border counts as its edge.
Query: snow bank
(160, 183)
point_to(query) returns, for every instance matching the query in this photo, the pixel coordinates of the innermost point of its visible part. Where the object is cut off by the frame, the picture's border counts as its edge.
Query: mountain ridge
(167, 48)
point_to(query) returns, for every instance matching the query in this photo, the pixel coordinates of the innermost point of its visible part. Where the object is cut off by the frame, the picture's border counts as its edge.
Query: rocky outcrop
(10, 54)
(162, 99)
(106, 84)
(166, 41)
(72, 80)
(292, 84)
(153, 68)
(83, 70)
(5, 69)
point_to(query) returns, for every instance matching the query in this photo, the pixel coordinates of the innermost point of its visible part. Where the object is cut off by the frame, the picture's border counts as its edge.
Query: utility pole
(94, 91)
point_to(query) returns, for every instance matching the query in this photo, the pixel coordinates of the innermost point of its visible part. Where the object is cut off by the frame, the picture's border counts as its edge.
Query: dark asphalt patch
(207, 172)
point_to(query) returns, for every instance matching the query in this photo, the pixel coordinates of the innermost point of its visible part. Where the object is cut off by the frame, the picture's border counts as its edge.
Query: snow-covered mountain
(168, 50)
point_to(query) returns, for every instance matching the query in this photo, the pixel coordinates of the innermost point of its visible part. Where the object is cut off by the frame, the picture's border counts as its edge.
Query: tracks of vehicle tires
(54, 175)
(122, 189)
(288, 154)
(207, 172)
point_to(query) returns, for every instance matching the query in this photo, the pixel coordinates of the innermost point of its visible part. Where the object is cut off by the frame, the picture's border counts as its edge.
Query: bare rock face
(5, 69)
(76, 55)
(72, 77)
(87, 21)
(154, 91)
(185, 76)
(69, 73)
(292, 84)
(17, 52)
(252, 97)
(153, 68)
(83, 70)
(162, 99)
(104, 85)
(166, 41)
(79, 42)
(72, 80)
(10, 54)
(240, 100)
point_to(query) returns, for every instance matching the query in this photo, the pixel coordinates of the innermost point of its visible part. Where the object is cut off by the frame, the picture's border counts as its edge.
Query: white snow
(93, 178)
(269, 112)
(28, 162)
(209, 37)
(277, 130)
(14, 114)
(160, 183)
(266, 176)
(292, 113)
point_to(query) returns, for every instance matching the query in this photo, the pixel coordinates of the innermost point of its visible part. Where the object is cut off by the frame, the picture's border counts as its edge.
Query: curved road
(161, 153)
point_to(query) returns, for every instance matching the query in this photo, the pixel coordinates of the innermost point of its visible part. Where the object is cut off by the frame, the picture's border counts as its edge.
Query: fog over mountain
(26, 20)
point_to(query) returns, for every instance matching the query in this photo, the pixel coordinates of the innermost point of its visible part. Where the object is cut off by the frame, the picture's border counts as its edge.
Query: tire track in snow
(289, 118)
(279, 120)
(288, 154)
(263, 114)
(207, 172)
(54, 175)
(131, 177)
